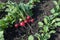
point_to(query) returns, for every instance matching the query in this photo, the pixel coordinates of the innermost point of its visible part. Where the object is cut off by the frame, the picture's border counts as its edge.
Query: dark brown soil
(40, 10)
(2, 14)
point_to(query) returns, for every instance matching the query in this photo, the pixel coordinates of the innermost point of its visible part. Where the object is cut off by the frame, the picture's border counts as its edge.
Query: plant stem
(21, 15)
(34, 22)
(30, 28)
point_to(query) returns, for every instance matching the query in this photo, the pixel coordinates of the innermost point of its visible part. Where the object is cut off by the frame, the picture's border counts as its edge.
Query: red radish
(22, 24)
(25, 21)
(16, 25)
(29, 21)
(28, 17)
(32, 20)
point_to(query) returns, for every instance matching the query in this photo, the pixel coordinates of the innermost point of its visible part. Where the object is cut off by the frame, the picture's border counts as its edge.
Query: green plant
(47, 26)
(15, 12)
(50, 23)
(1, 35)
(56, 13)
(31, 37)
(2, 6)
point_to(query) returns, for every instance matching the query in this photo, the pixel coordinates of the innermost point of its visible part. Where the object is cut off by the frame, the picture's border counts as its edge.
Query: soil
(40, 10)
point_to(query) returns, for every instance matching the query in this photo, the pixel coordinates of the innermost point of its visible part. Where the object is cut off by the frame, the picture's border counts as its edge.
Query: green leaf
(1, 38)
(45, 21)
(28, 9)
(52, 31)
(13, 21)
(30, 37)
(32, 1)
(55, 2)
(57, 7)
(57, 24)
(47, 36)
(2, 5)
(55, 20)
(45, 28)
(37, 35)
(52, 10)
(41, 31)
(40, 24)
(58, 1)
(21, 5)
(56, 14)
(3, 24)
(1, 35)
(36, 0)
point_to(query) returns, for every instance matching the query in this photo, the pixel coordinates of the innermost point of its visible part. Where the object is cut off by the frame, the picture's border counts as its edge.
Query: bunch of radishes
(23, 23)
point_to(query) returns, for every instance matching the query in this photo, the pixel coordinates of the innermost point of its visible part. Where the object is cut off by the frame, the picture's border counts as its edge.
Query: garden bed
(41, 10)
